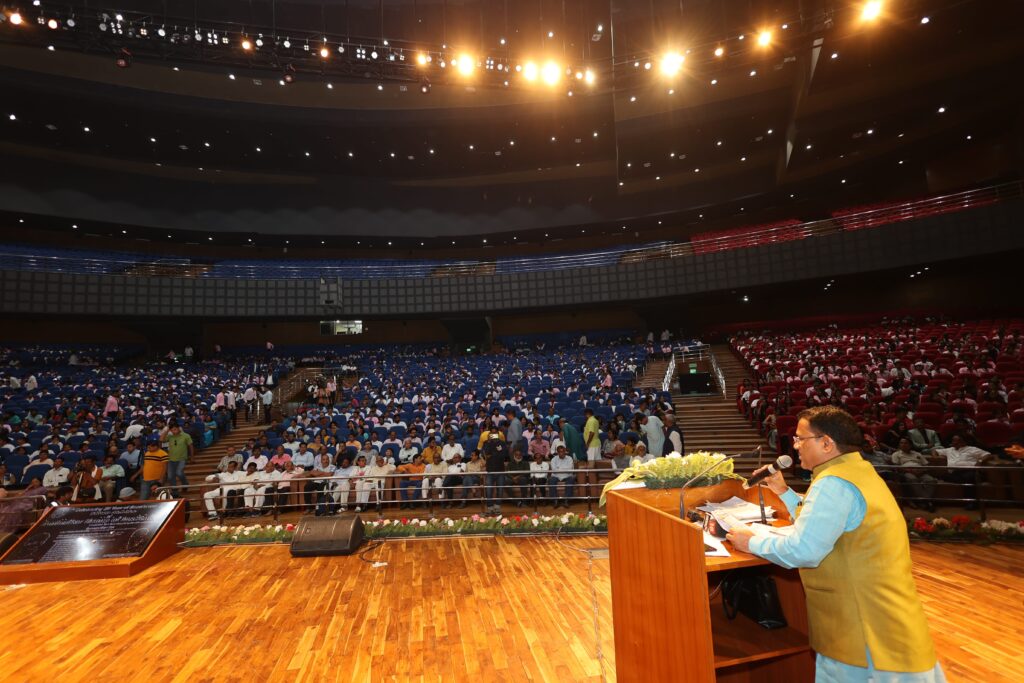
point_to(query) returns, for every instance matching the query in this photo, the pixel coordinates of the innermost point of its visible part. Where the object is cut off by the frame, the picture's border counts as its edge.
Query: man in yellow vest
(850, 543)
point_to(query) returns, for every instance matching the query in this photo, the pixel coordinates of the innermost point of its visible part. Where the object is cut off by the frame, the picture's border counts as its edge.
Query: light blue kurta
(819, 526)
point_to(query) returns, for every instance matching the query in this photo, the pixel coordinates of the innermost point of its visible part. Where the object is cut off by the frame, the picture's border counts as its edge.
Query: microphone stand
(682, 491)
(760, 492)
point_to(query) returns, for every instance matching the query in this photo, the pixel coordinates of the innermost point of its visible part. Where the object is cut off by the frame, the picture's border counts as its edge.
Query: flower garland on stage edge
(405, 527)
(961, 528)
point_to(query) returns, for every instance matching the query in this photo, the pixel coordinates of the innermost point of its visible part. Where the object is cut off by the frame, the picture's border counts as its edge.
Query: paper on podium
(766, 530)
(717, 549)
(738, 509)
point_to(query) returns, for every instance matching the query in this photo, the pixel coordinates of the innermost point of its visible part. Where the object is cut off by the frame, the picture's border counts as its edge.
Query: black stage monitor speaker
(315, 536)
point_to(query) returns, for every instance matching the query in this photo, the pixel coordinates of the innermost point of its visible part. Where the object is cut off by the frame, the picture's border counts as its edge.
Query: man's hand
(740, 538)
(776, 482)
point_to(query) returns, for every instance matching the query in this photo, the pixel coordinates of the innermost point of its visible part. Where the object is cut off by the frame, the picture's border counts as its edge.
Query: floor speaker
(332, 535)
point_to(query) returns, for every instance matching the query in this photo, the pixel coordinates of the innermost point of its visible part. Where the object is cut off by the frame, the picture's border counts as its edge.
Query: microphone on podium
(782, 463)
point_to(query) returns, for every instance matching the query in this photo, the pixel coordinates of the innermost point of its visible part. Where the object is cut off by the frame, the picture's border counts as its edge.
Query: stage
(479, 608)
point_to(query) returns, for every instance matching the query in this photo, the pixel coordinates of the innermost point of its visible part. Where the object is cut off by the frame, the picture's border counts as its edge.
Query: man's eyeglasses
(798, 439)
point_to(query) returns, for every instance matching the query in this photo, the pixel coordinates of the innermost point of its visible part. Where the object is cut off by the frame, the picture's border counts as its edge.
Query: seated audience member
(454, 479)
(411, 485)
(362, 483)
(127, 494)
(264, 487)
(451, 449)
(474, 477)
(291, 482)
(962, 457)
(111, 473)
(517, 481)
(377, 477)
(922, 484)
(924, 440)
(323, 489)
(231, 454)
(257, 458)
(561, 474)
(230, 482)
(540, 469)
(343, 484)
(433, 477)
(56, 476)
(538, 444)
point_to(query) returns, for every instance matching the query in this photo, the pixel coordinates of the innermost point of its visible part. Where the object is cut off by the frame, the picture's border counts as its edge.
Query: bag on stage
(755, 596)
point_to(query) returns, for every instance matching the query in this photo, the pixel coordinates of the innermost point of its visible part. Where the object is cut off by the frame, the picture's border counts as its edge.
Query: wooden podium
(667, 625)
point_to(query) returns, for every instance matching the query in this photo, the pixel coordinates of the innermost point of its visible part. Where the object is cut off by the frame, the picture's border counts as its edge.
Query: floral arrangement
(406, 527)
(255, 533)
(674, 470)
(962, 528)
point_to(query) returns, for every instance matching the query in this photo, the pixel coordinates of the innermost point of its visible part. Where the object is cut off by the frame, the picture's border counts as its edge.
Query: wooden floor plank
(481, 609)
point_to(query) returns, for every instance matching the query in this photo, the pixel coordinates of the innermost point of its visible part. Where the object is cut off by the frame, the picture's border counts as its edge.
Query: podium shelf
(742, 640)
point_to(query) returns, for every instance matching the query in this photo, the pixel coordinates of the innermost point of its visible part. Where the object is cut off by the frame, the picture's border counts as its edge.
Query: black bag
(755, 596)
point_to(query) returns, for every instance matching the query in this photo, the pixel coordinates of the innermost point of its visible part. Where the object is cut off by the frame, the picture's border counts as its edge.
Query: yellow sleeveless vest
(862, 595)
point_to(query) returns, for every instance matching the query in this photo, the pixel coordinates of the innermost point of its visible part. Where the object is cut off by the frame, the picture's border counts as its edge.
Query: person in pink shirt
(111, 406)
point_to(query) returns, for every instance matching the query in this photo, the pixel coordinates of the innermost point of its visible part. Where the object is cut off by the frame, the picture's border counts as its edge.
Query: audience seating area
(64, 414)
(936, 371)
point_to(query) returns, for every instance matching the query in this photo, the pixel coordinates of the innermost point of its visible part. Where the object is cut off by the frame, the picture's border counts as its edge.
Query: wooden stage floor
(470, 609)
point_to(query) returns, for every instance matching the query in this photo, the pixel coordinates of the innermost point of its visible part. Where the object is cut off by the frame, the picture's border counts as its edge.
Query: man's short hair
(836, 423)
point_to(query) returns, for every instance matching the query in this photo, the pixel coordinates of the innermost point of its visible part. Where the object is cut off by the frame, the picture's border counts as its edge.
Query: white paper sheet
(719, 549)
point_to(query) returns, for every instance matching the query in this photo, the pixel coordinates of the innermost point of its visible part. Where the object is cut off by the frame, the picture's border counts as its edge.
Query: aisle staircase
(712, 423)
(653, 374)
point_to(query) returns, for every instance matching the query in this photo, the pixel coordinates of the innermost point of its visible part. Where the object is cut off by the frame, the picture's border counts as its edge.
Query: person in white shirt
(451, 449)
(960, 455)
(343, 483)
(255, 495)
(456, 469)
(408, 452)
(560, 464)
(229, 483)
(57, 475)
(268, 400)
(375, 477)
(362, 484)
(323, 488)
(433, 477)
(540, 470)
(256, 458)
(292, 444)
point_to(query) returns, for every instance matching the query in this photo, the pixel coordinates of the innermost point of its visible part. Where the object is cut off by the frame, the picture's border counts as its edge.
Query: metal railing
(18, 513)
(670, 372)
(719, 375)
(124, 264)
(327, 495)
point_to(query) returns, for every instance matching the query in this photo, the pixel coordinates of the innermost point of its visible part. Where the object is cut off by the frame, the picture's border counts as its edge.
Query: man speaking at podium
(850, 543)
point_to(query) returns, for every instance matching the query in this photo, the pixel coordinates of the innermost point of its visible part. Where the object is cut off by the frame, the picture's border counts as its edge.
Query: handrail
(840, 221)
(719, 375)
(670, 372)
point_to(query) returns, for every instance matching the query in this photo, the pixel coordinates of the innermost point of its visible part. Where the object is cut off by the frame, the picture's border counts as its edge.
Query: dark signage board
(93, 532)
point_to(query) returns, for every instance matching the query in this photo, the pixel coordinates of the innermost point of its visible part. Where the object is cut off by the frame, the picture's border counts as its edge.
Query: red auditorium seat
(785, 425)
(994, 434)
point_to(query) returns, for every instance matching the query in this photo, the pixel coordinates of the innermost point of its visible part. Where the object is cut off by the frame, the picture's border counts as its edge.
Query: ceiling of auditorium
(834, 111)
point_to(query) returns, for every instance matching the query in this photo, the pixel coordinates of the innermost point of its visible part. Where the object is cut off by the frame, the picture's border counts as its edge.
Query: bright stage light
(52, 24)
(719, 51)
(15, 18)
(589, 77)
(246, 44)
(764, 38)
(530, 71)
(550, 72)
(324, 52)
(671, 63)
(421, 59)
(872, 10)
(466, 64)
